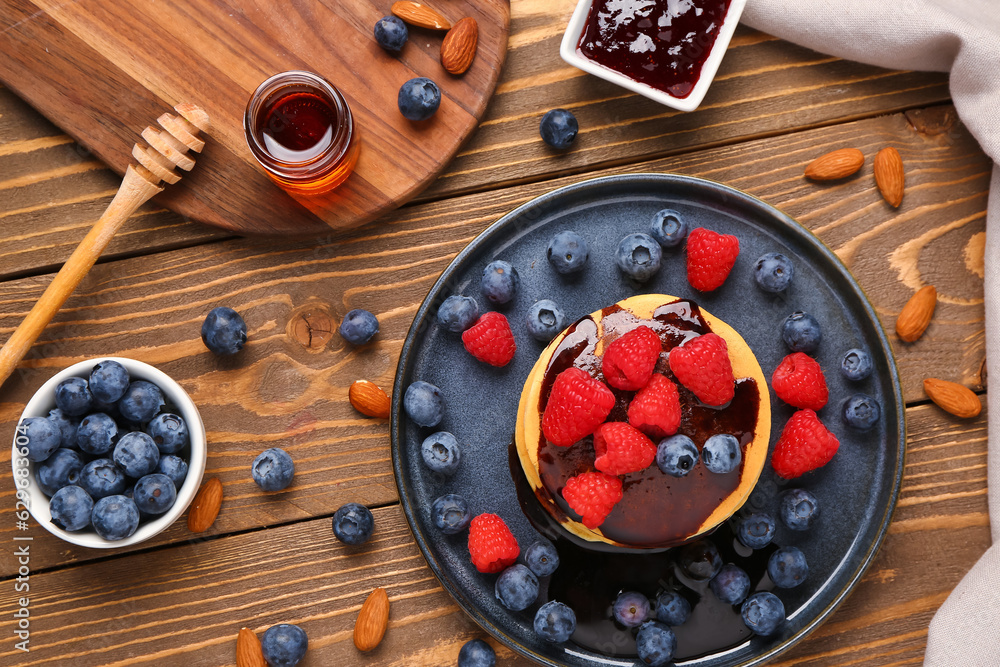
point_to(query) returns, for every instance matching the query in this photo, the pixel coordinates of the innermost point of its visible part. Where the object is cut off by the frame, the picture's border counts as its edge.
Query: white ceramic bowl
(569, 53)
(44, 400)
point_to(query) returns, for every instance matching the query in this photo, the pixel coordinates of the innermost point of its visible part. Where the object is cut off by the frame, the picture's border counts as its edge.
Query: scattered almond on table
(889, 175)
(205, 506)
(916, 314)
(954, 398)
(372, 621)
(369, 399)
(458, 49)
(420, 15)
(835, 165)
(248, 651)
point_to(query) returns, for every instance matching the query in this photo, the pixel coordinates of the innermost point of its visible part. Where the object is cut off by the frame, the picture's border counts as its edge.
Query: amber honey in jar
(300, 129)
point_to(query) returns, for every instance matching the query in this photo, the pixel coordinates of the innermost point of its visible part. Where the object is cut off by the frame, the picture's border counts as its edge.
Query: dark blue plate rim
(422, 320)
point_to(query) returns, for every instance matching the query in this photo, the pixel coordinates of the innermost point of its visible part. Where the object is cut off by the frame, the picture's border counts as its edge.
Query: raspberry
(490, 340)
(656, 408)
(710, 258)
(592, 495)
(702, 365)
(798, 380)
(577, 405)
(629, 361)
(805, 444)
(622, 449)
(491, 544)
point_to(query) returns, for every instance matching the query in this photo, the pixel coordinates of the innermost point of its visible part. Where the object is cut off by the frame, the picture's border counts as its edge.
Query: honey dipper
(167, 149)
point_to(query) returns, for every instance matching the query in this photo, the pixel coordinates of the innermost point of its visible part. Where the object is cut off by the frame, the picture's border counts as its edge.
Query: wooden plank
(281, 392)
(185, 605)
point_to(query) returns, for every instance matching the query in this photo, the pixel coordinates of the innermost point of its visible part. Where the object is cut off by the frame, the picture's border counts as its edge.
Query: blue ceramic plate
(857, 490)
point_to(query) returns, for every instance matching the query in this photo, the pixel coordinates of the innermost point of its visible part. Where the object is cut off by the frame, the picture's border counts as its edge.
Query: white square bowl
(569, 53)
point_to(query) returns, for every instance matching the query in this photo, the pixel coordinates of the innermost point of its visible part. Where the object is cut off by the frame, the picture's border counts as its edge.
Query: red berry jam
(661, 43)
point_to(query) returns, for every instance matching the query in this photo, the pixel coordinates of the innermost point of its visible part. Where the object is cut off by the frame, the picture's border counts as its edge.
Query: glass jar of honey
(301, 131)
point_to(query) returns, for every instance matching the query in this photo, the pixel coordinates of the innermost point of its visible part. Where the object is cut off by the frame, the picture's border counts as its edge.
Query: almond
(372, 620)
(458, 49)
(369, 399)
(420, 15)
(916, 314)
(248, 651)
(889, 176)
(205, 506)
(957, 399)
(835, 165)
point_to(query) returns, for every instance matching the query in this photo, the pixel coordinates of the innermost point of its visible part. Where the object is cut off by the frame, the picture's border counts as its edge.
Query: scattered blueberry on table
(359, 326)
(555, 622)
(638, 256)
(224, 332)
(284, 645)
(558, 128)
(353, 524)
(419, 99)
(391, 33)
(499, 282)
(458, 313)
(545, 320)
(273, 469)
(477, 653)
(669, 228)
(568, 252)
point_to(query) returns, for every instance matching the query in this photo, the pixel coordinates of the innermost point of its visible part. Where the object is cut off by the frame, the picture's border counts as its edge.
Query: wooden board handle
(135, 191)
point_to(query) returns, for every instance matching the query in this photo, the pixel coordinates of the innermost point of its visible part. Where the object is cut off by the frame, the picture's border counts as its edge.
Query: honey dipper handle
(134, 191)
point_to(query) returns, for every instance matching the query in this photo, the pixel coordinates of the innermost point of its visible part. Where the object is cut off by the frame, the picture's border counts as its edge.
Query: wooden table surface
(272, 558)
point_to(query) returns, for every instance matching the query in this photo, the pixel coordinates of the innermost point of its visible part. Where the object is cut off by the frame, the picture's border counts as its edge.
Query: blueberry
(441, 453)
(517, 587)
(101, 477)
(763, 613)
(555, 622)
(542, 558)
(115, 517)
(353, 524)
(169, 432)
(141, 402)
(391, 33)
(284, 645)
(136, 454)
(787, 567)
(861, 411)
(154, 494)
(756, 531)
(173, 467)
(458, 313)
(97, 434)
(773, 272)
(62, 468)
(731, 584)
(273, 469)
(419, 99)
(224, 332)
(43, 436)
(424, 403)
(108, 381)
(801, 332)
(545, 320)
(701, 560)
(857, 365)
(655, 643)
(67, 428)
(638, 257)
(359, 327)
(558, 128)
(669, 228)
(450, 513)
(499, 282)
(721, 453)
(568, 252)
(477, 653)
(676, 455)
(672, 608)
(798, 509)
(70, 508)
(631, 609)
(73, 397)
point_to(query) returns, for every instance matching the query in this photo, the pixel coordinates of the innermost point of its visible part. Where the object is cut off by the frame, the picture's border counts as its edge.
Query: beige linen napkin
(961, 37)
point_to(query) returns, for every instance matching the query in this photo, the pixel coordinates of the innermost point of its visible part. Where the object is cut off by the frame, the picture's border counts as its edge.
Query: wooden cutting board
(102, 70)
